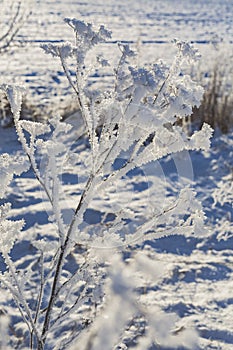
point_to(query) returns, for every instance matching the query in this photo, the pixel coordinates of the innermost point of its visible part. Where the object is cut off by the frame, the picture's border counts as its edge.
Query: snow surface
(150, 30)
(199, 285)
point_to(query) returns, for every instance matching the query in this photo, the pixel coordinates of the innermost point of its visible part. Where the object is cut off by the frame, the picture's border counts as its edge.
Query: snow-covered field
(149, 28)
(198, 285)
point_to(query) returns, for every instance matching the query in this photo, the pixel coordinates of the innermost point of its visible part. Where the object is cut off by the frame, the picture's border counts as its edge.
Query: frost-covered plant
(89, 285)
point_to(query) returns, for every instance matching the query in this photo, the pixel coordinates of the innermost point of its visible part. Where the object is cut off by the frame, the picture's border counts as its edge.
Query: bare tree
(13, 16)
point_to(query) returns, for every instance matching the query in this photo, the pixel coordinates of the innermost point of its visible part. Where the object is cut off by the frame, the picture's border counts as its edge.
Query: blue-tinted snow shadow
(217, 335)
(93, 216)
(213, 243)
(197, 274)
(21, 249)
(181, 309)
(159, 347)
(175, 244)
(214, 272)
(32, 218)
(71, 179)
(18, 202)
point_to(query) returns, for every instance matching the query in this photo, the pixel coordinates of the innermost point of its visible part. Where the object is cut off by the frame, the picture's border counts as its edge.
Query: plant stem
(62, 254)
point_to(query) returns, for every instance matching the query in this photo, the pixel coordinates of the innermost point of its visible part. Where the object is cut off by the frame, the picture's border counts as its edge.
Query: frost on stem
(86, 37)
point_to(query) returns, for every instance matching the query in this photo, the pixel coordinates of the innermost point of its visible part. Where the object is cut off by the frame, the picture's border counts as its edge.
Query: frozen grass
(216, 108)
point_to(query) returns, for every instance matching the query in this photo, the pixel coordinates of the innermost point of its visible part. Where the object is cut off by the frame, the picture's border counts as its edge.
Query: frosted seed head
(85, 32)
(14, 95)
(187, 50)
(63, 50)
(126, 51)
